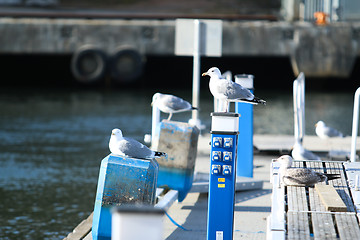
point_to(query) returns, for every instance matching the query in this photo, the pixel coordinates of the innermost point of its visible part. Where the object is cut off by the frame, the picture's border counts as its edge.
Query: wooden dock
(299, 213)
(255, 227)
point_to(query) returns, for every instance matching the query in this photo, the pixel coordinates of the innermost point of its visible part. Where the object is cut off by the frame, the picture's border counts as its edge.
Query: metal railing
(355, 125)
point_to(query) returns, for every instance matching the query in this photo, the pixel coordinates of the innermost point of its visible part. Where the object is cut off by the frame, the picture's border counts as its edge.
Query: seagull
(171, 104)
(229, 91)
(300, 153)
(325, 132)
(129, 147)
(301, 177)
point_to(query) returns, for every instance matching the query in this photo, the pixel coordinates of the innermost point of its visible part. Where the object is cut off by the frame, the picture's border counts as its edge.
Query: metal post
(196, 70)
(245, 165)
(155, 121)
(355, 125)
(299, 107)
(224, 130)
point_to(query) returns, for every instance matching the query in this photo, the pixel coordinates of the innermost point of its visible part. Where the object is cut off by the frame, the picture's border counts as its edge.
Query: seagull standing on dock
(300, 177)
(129, 147)
(325, 132)
(171, 104)
(229, 91)
(300, 153)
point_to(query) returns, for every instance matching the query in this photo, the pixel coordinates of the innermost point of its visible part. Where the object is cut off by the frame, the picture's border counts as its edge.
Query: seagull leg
(170, 115)
(227, 105)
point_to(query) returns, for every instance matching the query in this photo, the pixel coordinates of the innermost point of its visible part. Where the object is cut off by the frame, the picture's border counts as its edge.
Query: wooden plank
(330, 198)
(82, 229)
(322, 224)
(298, 221)
(341, 184)
(352, 169)
(347, 226)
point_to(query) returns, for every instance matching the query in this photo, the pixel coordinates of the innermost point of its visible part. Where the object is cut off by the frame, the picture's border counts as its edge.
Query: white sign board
(210, 37)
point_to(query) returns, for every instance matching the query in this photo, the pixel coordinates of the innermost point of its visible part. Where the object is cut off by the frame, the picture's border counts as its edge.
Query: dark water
(52, 142)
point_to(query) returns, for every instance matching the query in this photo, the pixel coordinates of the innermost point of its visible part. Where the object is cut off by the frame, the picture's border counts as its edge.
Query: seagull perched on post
(325, 132)
(229, 91)
(171, 104)
(129, 147)
(301, 177)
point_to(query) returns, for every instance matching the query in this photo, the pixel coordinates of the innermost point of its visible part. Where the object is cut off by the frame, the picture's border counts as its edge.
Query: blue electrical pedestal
(245, 165)
(122, 180)
(224, 131)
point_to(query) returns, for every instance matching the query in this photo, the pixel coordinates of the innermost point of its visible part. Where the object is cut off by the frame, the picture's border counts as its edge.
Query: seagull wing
(232, 90)
(332, 132)
(132, 148)
(302, 177)
(176, 104)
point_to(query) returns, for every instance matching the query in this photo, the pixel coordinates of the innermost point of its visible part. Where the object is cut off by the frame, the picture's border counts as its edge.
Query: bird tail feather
(259, 100)
(255, 100)
(160, 154)
(333, 176)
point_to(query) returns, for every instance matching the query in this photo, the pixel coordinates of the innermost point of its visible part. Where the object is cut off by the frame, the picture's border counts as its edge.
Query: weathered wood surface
(82, 230)
(306, 215)
(330, 198)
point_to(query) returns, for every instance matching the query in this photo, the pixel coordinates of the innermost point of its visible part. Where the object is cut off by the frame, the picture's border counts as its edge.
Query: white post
(302, 105)
(296, 114)
(355, 125)
(155, 121)
(196, 70)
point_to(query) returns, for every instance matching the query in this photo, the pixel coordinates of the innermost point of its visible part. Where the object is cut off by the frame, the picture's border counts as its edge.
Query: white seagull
(325, 132)
(171, 104)
(300, 153)
(129, 147)
(301, 177)
(229, 91)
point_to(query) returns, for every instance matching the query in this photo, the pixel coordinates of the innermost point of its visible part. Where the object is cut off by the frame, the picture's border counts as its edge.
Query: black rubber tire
(89, 64)
(126, 65)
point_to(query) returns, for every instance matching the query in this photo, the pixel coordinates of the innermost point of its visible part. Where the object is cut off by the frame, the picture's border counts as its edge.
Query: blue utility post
(224, 131)
(245, 165)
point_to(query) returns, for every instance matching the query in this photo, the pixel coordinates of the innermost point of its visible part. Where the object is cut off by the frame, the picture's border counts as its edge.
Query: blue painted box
(122, 180)
(179, 140)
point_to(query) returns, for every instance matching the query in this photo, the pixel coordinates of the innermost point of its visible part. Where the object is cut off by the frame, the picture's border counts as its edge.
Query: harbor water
(53, 140)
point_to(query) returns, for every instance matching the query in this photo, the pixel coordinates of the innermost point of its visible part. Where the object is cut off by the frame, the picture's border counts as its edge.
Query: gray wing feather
(176, 103)
(332, 132)
(302, 176)
(233, 90)
(133, 148)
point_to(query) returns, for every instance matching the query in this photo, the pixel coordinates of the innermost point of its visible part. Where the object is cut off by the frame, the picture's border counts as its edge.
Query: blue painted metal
(122, 180)
(179, 141)
(222, 186)
(178, 179)
(245, 165)
(245, 161)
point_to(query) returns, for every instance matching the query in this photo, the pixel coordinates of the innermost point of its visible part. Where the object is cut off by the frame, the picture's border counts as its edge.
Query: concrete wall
(315, 50)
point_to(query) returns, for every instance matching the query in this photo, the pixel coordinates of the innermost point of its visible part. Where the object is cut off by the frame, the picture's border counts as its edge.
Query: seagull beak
(152, 103)
(112, 133)
(204, 74)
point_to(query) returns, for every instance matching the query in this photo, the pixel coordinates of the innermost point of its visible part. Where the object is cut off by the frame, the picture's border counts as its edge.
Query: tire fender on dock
(126, 64)
(89, 64)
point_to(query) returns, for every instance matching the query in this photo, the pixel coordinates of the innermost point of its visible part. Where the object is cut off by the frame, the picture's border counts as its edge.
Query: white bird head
(117, 133)
(155, 97)
(320, 124)
(285, 161)
(212, 72)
